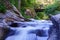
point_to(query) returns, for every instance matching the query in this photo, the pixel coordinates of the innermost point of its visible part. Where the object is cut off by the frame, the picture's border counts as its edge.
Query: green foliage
(51, 9)
(41, 15)
(2, 8)
(31, 4)
(27, 4)
(14, 2)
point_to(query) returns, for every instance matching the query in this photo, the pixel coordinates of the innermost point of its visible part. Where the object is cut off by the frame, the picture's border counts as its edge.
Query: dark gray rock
(4, 31)
(54, 32)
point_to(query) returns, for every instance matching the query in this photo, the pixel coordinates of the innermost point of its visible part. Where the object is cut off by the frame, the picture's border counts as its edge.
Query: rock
(14, 25)
(55, 29)
(11, 14)
(1, 33)
(40, 33)
(5, 31)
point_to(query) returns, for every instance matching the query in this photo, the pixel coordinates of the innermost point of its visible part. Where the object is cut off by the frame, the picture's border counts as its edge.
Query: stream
(34, 30)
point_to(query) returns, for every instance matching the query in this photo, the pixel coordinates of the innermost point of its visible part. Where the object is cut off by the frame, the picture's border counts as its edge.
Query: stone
(55, 29)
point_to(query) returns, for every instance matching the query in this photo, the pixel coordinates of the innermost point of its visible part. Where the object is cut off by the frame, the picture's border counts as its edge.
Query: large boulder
(11, 14)
(2, 31)
(5, 31)
(54, 32)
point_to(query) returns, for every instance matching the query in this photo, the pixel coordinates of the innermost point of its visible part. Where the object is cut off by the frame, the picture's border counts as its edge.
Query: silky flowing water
(30, 30)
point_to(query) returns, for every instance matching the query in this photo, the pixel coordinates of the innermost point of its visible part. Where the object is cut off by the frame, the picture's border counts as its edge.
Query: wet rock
(40, 33)
(55, 29)
(5, 31)
(11, 14)
(7, 19)
(1, 33)
(14, 25)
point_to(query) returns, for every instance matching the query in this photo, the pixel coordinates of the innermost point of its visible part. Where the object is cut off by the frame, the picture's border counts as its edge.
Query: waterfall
(34, 30)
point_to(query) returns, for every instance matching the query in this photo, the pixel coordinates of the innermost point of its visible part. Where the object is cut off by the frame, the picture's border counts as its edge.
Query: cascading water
(34, 30)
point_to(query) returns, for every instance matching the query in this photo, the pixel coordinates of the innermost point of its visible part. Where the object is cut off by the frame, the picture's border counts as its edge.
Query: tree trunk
(19, 4)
